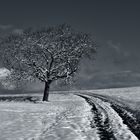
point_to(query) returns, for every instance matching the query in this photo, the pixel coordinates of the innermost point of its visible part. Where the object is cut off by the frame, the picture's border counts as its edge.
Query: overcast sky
(115, 24)
(115, 20)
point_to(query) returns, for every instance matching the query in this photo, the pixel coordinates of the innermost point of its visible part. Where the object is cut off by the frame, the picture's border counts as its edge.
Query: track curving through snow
(107, 120)
(67, 117)
(129, 117)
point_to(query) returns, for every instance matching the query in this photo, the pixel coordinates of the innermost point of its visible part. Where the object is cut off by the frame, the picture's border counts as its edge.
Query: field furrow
(113, 126)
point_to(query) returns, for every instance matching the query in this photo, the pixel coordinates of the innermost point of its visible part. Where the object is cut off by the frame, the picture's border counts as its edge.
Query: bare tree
(47, 54)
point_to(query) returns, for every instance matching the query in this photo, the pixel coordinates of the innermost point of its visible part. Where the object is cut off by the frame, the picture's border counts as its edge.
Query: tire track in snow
(113, 122)
(132, 122)
(103, 127)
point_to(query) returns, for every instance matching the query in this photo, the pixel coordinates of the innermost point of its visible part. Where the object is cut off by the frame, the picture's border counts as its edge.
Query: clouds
(115, 66)
(4, 72)
(119, 55)
(18, 31)
(5, 27)
(9, 28)
(116, 47)
(108, 80)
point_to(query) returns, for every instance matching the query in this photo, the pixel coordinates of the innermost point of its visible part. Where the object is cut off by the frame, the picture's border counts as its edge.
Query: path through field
(109, 120)
(67, 117)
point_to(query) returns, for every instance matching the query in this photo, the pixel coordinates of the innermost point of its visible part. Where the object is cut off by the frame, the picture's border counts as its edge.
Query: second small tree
(47, 54)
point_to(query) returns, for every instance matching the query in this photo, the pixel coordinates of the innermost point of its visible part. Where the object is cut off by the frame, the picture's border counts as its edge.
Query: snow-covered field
(110, 121)
(130, 96)
(65, 117)
(70, 117)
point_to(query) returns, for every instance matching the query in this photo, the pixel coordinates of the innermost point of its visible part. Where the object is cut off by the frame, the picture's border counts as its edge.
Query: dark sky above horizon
(109, 20)
(115, 24)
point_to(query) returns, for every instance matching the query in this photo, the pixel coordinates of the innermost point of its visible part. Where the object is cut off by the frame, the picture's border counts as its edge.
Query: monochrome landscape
(69, 70)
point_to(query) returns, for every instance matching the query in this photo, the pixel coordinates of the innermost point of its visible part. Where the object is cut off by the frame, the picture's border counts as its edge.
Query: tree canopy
(46, 54)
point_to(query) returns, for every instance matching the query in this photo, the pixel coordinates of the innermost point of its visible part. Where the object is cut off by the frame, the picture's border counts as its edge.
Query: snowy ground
(89, 116)
(130, 96)
(66, 117)
(108, 122)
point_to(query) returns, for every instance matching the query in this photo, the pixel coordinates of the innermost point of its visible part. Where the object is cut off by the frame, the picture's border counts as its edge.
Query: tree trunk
(46, 91)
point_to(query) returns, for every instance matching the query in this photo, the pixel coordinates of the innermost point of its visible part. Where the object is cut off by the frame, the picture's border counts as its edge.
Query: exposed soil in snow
(66, 117)
(129, 118)
(101, 121)
(110, 125)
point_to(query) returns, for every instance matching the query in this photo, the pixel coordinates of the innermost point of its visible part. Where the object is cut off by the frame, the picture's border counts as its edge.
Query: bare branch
(48, 54)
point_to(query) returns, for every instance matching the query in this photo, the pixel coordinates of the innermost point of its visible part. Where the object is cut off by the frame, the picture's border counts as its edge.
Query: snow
(129, 93)
(121, 131)
(4, 72)
(129, 96)
(65, 117)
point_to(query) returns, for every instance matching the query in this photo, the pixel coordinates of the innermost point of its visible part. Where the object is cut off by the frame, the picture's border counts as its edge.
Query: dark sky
(115, 20)
(115, 24)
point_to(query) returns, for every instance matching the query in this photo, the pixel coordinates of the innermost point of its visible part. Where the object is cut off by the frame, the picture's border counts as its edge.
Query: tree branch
(63, 76)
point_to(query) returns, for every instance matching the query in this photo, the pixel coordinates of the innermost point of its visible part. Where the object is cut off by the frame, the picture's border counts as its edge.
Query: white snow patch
(71, 124)
(65, 117)
(4, 72)
(121, 131)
